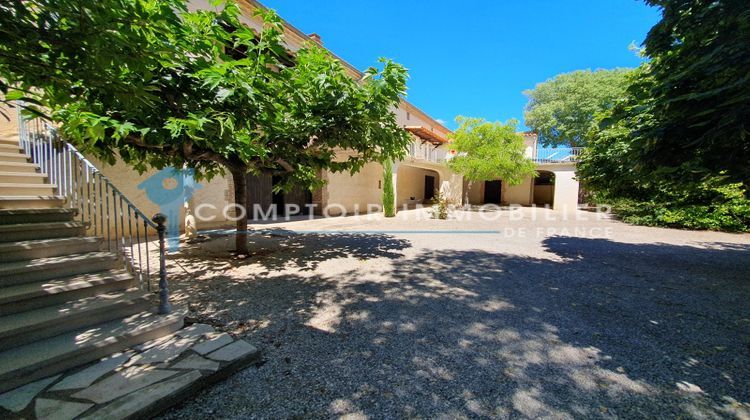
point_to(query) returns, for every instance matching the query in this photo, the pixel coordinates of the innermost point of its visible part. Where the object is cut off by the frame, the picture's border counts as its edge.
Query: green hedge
(727, 210)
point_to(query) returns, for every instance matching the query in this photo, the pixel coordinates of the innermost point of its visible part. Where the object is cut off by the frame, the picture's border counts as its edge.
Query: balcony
(427, 152)
(557, 155)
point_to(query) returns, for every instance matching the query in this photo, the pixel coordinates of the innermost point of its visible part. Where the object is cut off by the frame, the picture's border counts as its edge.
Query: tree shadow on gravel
(598, 329)
(277, 249)
(206, 277)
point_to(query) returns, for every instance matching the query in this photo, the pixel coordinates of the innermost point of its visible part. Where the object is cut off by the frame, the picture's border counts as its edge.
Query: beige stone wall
(345, 192)
(8, 119)
(126, 180)
(530, 145)
(475, 192)
(451, 186)
(566, 188)
(410, 182)
(216, 192)
(518, 194)
(544, 194)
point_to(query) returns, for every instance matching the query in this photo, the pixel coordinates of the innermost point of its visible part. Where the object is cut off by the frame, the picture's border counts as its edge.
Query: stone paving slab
(17, 399)
(59, 410)
(87, 376)
(198, 363)
(214, 342)
(122, 383)
(138, 383)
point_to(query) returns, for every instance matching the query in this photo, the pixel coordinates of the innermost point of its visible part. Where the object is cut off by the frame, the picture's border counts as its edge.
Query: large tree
(699, 89)
(677, 145)
(562, 109)
(157, 85)
(486, 151)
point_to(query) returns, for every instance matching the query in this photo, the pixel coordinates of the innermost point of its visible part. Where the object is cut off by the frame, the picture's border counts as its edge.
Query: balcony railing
(427, 152)
(106, 212)
(557, 154)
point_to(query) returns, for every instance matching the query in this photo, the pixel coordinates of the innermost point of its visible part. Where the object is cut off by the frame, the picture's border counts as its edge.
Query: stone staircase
(64, 300)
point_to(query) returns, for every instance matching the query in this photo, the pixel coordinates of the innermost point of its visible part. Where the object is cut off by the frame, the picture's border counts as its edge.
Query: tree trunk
(240, 200)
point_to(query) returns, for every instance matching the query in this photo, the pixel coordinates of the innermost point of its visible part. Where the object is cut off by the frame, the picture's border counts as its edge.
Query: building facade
(416, 178)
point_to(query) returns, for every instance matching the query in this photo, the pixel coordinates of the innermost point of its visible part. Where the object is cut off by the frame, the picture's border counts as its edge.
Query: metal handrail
(557, 155)
(426, 151)
(104, 210)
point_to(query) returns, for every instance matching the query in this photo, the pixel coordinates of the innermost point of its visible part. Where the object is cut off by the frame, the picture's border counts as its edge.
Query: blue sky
(474, 57)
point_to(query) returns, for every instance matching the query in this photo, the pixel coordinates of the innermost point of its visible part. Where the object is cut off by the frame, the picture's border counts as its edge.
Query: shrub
(389, 197)
(720, 207)
(440, 209)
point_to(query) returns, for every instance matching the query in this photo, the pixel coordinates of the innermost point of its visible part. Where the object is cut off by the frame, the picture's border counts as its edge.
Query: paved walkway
(135, 383)
(464, 318)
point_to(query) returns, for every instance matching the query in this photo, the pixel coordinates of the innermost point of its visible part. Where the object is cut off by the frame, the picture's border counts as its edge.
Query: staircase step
(40, 269)
(24, 364)
(10, 140)
(24, 297)
(14, 157)
(22, 178)
(33, 231)
(10, 147)
(26, 189)
(16, 216)
(31, 202)
(26, 327)
(42, 248)
(19, 167)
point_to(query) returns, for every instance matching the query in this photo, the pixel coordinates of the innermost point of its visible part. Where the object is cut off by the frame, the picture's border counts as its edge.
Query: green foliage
(675, 151)
(440, 209)
(699, 90)
(161, 86)
(489, 150)
(562, 110)
(727, 210)
(389, 197)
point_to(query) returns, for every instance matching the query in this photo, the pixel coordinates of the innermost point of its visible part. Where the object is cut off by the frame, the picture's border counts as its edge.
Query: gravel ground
(537, 317)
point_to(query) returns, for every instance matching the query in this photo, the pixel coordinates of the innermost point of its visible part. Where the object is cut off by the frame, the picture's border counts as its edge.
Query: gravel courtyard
(513, 314)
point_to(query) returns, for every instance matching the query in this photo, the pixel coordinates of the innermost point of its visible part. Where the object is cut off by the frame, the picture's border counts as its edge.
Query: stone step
(24, 364)
(33, 231)
(31, 202)
(10, 147)
(10, 140)
(19, 167)
(38, 324)
(22, 178)
(16, 216)
(40, 269)
(28, 296)
(14, 157)
(42, 248)
(27, 189)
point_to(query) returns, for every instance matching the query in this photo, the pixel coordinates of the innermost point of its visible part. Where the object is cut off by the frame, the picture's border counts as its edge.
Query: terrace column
(566, 189)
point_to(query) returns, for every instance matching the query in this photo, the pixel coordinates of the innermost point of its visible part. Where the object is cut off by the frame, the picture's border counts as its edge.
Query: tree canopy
(562, 110)
(158, 85)
(487, 151)
(678, 140)
(698, 84)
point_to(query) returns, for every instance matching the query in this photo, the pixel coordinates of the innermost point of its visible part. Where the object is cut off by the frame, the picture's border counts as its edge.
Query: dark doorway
(260, 193)
(429, 187)
(492, 192)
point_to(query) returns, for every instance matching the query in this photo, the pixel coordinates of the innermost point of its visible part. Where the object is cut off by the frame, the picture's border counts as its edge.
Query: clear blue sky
(474, 57)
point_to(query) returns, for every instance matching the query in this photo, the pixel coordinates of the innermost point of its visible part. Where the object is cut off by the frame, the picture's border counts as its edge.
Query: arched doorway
(415, 185)
(544, 189)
